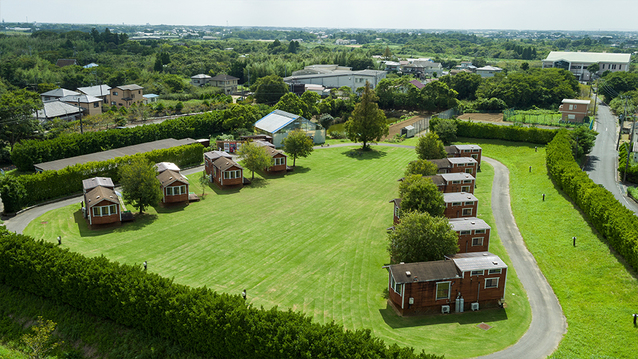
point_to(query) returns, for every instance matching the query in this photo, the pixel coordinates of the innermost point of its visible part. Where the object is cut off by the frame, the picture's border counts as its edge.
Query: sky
(375, 14)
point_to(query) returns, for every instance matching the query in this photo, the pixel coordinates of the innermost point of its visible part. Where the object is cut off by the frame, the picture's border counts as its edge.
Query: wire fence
(540, 117)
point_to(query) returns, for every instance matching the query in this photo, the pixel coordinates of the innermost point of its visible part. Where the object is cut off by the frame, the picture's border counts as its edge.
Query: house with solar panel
(278, 123)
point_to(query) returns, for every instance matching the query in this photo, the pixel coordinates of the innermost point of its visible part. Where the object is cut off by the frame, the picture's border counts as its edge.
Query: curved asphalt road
(548, 322)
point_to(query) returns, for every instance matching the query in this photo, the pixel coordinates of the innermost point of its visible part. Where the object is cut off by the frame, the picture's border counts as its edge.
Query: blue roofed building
(278, 123)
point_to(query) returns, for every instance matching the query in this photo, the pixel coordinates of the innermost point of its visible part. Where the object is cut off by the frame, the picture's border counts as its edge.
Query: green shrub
(496, 132)
(614, 221)
(215, 324)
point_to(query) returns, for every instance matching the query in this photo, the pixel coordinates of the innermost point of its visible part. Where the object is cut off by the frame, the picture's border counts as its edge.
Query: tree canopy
(297, 144)
(421, 167)
(421, 237)
(430, 147)
(420, 194)
(254, 157)
(446, 130)
(140, 185)
(269, 89)
(368, 123)
(17, 120)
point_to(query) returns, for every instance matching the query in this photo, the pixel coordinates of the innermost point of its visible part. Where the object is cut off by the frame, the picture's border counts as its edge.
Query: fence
(424, 124)
(539, 118)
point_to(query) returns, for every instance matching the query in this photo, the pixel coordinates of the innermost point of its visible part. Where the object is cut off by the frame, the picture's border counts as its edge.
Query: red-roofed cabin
(474, 234)
(468, 281)
(174, 187)
(460, 204)
(102, 206)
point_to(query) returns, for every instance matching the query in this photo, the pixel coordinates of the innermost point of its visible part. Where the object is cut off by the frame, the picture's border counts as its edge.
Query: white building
(334, 76)
(577, 62)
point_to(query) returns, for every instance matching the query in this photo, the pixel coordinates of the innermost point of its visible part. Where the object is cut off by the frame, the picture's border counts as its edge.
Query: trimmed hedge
(214, 324)
(507, 133)
(614, 221)
(40, 187)
(26, 154)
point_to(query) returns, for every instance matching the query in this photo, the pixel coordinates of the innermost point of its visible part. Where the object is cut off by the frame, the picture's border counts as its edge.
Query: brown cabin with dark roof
(174, 187)
(474, 151)
(222, 170)
(468, 281)
(460, 204)
(453, 182)
(279, 158)
(102, 206)
(474, 234)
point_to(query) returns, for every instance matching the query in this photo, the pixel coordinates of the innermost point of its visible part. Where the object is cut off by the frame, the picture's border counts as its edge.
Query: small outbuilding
(102, 206)
(574, 110)
(460, 204)
(174, 187)
(474, 234)
(408, 131)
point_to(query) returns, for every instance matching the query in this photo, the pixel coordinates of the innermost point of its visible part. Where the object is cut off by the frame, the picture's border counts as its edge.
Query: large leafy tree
(269, 89)
(297, 144)
(421, 237)
(140, 185)
(446, 130)
(421, 167)
(368, 123)
(430, 147)
(583, 140)
(464, 83)
(254, 157)
(420, 194)
(17, 120)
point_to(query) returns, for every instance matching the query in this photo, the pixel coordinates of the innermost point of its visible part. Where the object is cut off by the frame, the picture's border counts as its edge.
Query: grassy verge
(313, 241)
(597, 291)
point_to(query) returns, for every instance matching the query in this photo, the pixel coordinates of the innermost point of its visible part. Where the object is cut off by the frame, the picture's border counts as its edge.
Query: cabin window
(465, 232)
(232, 174)
(495, 271)
(467, 181)
(491, 283)
(456, 203)
(468, 170)
(395, 286)
(104, 210)
(114, 93)
(467, 211)
(476, 272)
(469, 203)
(456, 182)
(175, 191)
(479, 231)
(465, 188)
(442, 290)
(477, 242)
(280, 161)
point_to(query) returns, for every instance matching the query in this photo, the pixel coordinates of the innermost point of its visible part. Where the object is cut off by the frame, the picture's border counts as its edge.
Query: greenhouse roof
(276, 120)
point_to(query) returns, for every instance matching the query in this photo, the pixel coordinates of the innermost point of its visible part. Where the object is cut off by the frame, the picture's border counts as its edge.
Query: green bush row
(217, 325)
(508, 133)
(26, 154)
(23, 191)
(614, 221)
(632, 172)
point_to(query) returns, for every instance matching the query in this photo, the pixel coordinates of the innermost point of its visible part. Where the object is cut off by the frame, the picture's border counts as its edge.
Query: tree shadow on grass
(360, 154)
(391, 318)
(296, 170)
(86, 230)
(170, 207)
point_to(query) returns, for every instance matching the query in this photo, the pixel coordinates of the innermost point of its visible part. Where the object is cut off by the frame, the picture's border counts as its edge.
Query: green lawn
(313, 241)
(597, 291)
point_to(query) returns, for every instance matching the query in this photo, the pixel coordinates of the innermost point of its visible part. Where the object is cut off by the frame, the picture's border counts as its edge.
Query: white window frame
(469, 203)
(479, 241)
(495, 271)
(469, 170)
(476, 273)
(449, 290)
(492, 285)
(464, 233)
(465, 188)
(396, 287)
(103, 209)
(571, 107)
(456, 204)
(479, 231)
(465, 210)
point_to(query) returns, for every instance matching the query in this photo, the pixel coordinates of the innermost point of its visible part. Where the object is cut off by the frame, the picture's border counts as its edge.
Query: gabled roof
(95, 91)
(587, 57)
(276, 120)
(489, 68)
(437, 180)
(272, 152)
(418, 84)
(262, 143)
(441, 163)
(168, 177)
(130, 87)
(224, 163)
(224, 78)
(163, 166)
(59, 92)
(53, 109)
(468, 224)
(424, 271)
(477, 261)
(80, 99)
(100, 194)
(458, 197)
(214, 155)
(91, 183)
(201, 76)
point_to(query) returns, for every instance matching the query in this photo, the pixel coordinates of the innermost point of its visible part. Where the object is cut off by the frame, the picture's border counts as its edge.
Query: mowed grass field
(597, 291)
(313, 240)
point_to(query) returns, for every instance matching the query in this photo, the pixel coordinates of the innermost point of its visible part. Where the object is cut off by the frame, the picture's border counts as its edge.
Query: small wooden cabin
(468, 281)
(174, 187)
(102, 206)
(474, 234)
(474, 151)
(280, 160)
(397, 210)
(453, 182)
(456, 165)
(227, 173)
(163, 166)
(460, 204)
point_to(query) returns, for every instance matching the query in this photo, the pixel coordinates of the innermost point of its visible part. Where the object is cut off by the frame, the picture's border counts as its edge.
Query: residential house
(57, 94)
(200, 80)
(334, 76)
(422, 68)
(126, 95)
(460, 204)
(280, 160)
(474, 151)
(454, 182)
(278, 123)
(223, 171)
(467, 281)
(89, 104)
(574, 110)
(163, 166)
(225, 82)
(577, 62)
(101, 203)
(488, 71)
(58, 109)
(456, 164)
(474, 234)
(174, 186)
(99, 91)
(392, 66)
(150, 98)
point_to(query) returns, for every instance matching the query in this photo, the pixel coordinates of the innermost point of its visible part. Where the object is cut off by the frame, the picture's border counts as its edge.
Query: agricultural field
(313, 241)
